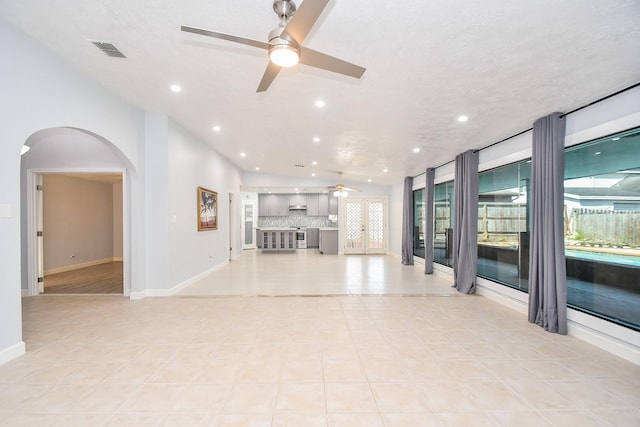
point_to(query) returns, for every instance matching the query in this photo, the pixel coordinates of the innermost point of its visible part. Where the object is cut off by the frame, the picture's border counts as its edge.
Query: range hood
(297, 207)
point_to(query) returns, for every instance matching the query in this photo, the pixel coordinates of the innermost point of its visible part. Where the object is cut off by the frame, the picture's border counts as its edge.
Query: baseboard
(134, 295)
(12, 352)
(25, 292)
(618, 340)
(81, 265)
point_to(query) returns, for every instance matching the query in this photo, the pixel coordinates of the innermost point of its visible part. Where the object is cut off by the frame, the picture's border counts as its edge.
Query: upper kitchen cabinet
(297, 200)
(333, 206)
(312, 205)
(323, 204)
(273, 204)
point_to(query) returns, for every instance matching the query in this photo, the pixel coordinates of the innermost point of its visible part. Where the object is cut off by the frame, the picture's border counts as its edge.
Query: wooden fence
(620, 228)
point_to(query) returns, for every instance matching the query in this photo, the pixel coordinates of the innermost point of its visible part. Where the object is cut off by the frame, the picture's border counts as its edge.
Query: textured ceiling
(503, 64)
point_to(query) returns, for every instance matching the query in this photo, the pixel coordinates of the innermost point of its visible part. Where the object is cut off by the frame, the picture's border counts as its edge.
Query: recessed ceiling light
(320, 103)
(216, 128)
(462, 119)
(313, 174)
(416, 150)
(257, 168)
(314, 163)
(598, 153)
(243, 154)
(616, 138)
(316, 139)
(369, 180)
(176, 88)
(385, 170)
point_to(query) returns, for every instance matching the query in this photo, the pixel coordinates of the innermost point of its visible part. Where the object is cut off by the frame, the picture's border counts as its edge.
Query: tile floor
(416, 357)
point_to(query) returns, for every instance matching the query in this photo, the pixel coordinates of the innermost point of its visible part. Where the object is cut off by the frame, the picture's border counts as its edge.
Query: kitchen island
(329, 240)
(277, 239)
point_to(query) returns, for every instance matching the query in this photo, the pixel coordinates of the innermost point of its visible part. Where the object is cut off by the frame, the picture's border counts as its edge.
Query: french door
(365, 229)
(248, 226)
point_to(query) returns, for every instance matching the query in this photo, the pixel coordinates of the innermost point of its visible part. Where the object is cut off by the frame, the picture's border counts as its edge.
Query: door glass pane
(248, 224)
(354, 225)
(376, 225)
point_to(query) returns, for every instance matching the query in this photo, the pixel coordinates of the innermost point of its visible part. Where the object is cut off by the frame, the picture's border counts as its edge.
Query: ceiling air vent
(299, 166)
(109, 49)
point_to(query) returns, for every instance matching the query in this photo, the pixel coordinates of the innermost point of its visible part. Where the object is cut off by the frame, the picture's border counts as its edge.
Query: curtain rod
(561, 116)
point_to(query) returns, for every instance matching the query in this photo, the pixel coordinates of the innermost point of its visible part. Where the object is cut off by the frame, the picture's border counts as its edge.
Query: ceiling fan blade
(329, 63)
(301, 22)
(269, 74)
(229, 37)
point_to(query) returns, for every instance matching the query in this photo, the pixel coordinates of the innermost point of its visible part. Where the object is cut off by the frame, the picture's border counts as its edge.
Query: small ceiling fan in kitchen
(285, 42)
(339, 190)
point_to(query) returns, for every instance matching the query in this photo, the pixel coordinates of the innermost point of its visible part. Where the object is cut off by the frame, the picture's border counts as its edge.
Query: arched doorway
(72, 153)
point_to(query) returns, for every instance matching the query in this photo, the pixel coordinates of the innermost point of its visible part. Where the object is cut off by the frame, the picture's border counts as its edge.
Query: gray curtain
(547, 270)
(465, 222)
(407, 222)
(429, 189)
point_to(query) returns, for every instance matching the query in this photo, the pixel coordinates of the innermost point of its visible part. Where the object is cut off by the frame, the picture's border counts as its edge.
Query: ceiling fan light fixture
(284, 55)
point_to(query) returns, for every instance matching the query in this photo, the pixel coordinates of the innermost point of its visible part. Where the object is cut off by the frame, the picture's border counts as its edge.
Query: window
(418, 223)
(602, 227)
(443, 223)
(503, 224)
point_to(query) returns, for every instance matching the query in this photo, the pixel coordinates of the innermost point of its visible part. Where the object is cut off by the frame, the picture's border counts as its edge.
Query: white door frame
(364, 201)
(33, 257)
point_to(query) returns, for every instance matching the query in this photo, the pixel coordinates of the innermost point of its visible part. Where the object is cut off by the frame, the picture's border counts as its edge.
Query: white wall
(78, 221)
(117, 220)
(193, 164)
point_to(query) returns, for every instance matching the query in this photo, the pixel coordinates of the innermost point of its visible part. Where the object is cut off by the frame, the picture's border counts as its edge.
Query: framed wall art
(207, 209)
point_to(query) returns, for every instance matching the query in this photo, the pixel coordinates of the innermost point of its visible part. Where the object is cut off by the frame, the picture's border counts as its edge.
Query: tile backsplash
(295, 219)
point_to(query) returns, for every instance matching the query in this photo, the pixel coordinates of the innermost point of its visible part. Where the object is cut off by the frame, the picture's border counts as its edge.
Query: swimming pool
(628, 260)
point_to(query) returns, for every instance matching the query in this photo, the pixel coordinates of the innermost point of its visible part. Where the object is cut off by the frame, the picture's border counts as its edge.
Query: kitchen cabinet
(323, 204)
(273, 205)
(333, 205)
(313, 237)
(278, 240)
(312, 205)
(297, 200)
(328, 241)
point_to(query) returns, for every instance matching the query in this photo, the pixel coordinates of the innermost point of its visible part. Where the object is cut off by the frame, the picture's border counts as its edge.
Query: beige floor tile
(495, 396)
(243, 420)
(466, 419)
(307, 398)
(190, 420)
(298, 420)
(411, 419)
(344, 371)
(399, 397)
(344, 397)
(574, 418)
(246, 360)
(155, 398)
(267, 371)
(203, 398)
(299, 371)
(519, 419)
(355, 420)
(252, 399)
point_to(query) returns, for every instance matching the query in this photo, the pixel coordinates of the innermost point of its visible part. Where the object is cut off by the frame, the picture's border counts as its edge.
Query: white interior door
(248, 226)
(365, 229)
(39, 234)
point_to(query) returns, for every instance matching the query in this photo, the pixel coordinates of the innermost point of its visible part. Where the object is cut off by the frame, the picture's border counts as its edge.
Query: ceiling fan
(285, 42)
(339, 190)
